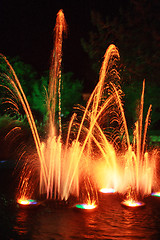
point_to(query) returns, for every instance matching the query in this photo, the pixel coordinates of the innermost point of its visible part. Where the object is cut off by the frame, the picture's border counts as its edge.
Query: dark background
(26, 29)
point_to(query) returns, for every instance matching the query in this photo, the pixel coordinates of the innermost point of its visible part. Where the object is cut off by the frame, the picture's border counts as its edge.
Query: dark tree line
(135, 31)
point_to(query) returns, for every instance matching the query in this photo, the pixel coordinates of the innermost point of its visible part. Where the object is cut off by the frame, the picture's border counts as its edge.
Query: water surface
(109, 221)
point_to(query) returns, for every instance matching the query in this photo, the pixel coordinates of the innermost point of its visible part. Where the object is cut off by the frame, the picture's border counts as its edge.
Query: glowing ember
(155, 194)
(107, 190)
(23, 201)
(132, 203)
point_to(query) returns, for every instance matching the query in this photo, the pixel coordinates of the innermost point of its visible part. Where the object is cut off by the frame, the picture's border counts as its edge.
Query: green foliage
(25, 73)
(71, 93)
(132, 99)
(36, 91)
(37, 98)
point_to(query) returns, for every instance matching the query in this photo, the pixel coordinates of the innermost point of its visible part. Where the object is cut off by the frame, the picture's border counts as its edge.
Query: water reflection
(21, 223)
(109, 221)
(64, 224)
(24, 224)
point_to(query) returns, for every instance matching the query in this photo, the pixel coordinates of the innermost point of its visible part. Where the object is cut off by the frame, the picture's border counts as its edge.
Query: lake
(110, 220)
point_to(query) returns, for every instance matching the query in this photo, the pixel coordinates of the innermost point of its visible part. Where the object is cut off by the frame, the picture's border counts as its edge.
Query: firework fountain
(94, 159)
(136, 175)
(59, 163)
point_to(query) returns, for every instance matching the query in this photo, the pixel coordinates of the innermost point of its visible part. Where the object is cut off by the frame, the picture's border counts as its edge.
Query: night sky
(26, 28)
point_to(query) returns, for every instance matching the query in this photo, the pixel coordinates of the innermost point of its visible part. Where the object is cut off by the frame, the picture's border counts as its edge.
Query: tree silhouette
(135, 31)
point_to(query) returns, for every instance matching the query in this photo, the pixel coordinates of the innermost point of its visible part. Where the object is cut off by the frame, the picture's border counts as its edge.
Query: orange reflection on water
(21, 226)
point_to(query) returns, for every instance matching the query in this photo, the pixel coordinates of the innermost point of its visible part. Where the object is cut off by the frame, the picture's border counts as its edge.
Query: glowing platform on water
(132, 204)
(155, 194)
(85, 206)
(22, 202)
(107, 190)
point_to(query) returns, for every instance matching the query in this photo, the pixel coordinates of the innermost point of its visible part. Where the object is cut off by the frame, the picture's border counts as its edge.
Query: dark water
(109, 221)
